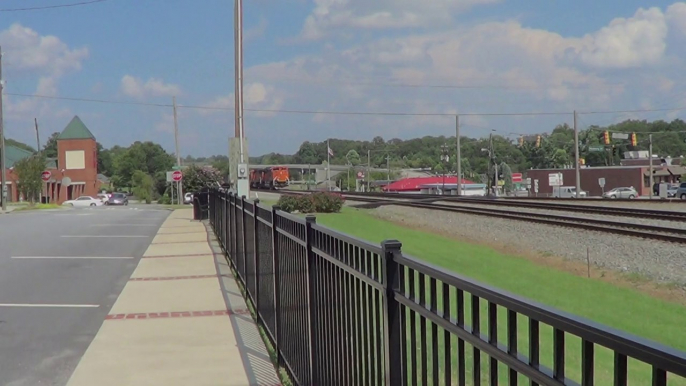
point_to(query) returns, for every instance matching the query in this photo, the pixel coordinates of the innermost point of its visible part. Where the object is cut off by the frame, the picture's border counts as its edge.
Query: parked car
(671, 190)
(630, 193)
(118, 199)
(681, 191)
(84, 201)
(188, 198)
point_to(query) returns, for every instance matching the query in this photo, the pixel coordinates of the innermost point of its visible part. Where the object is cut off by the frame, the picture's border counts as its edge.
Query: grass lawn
(38, 207)
(622, 308)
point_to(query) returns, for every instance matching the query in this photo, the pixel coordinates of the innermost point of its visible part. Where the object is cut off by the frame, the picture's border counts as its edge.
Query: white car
(84, 201)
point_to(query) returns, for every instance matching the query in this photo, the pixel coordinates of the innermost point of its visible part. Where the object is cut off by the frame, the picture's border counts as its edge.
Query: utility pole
(459, 156)
(576, 158)
(239, 74)
(3, 182)
(178, 155)
(369, 168)
(35, 121)
(388, 166)
(650, 159)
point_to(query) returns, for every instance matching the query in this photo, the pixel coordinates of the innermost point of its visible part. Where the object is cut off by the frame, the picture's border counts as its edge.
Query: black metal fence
(341, 311)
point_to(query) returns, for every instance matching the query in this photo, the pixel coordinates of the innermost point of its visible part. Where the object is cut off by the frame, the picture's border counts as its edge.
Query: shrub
(325, 202)
(319, 202)
(288, 203)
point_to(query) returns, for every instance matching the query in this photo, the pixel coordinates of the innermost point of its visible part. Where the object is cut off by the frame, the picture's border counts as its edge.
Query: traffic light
(538, 141)
(634, 142)
(614, 151)
(582, 161)
(606, 137)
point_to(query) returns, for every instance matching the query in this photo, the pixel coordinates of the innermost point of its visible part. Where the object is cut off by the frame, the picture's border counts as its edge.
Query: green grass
(38, 207)
(622, 308)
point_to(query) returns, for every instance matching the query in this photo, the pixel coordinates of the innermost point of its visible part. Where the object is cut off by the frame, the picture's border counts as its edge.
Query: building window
(75, 159)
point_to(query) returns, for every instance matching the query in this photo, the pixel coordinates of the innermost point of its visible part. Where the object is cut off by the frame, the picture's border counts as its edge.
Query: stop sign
(176, 176)
(46, 175)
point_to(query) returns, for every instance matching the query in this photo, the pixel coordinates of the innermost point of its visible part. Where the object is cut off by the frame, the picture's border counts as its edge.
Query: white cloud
(136, 88)
(255, 96)
(631, 42)
(676, 16)
(329, 15)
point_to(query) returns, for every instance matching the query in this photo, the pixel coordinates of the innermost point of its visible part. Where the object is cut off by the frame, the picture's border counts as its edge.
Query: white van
(566, 192)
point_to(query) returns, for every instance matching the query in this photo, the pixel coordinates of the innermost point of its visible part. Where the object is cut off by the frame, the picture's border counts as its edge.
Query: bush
(319, 202)
(288, 203)
(327, 202)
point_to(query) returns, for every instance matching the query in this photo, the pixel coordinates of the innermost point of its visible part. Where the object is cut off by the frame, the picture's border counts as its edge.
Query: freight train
(275, 177)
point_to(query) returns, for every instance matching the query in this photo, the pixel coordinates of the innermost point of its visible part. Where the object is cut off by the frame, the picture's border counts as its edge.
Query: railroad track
(606, 211)
(461, 205)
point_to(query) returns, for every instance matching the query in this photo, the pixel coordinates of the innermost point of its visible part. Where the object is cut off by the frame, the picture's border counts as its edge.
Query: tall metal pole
(650, 159)
(239, 75)
(369, 169)
(35, 121)
(178, 154)
(328, 166)
(3, 181)
(576, 158)
(459, 156)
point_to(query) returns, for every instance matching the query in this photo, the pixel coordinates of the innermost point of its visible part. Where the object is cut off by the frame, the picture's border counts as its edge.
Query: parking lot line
(104, 236)
(73, 257)
(42, 305)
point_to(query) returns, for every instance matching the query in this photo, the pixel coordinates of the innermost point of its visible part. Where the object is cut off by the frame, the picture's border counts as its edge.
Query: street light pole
(178, 154)
(459, 156)
(3, 182)
(576, 158)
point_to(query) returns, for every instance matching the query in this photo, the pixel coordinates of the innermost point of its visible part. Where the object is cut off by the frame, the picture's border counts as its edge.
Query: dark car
(118, 199)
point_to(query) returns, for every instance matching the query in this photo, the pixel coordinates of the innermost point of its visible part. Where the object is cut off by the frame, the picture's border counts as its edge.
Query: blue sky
(498, 56)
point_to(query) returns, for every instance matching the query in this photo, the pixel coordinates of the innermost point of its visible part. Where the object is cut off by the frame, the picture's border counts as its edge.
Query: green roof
(14, 155)
(76, 130)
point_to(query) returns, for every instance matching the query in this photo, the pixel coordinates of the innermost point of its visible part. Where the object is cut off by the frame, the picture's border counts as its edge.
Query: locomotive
(275, 177)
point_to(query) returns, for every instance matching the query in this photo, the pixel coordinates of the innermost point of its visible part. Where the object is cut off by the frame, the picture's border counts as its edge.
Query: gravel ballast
(659, 261)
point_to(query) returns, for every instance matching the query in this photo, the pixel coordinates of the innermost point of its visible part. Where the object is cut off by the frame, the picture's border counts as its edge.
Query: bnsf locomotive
(275, 177)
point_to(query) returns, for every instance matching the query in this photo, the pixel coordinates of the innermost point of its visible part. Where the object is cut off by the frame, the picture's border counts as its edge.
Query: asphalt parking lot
(60, 273)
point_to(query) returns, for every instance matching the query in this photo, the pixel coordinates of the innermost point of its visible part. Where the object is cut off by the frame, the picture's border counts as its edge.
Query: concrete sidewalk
(180, 320)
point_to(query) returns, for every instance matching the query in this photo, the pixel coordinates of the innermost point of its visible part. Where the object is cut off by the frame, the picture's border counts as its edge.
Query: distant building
(637, 176)
(75, 171)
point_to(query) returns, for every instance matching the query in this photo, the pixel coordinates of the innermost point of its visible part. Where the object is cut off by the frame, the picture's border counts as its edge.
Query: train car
(273, 178)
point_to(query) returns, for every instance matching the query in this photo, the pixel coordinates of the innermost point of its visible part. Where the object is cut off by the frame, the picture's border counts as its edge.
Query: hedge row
(319, 202)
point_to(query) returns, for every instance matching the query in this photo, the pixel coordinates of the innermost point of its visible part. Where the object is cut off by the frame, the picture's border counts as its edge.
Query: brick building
(73, 173)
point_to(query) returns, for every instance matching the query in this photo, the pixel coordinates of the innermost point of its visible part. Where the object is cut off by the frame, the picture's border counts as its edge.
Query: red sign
(176, 176)
(516, 177)
(360, 175)
(46, 175)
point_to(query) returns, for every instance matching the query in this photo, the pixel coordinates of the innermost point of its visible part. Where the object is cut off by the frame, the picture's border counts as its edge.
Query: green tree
(143, 186)
(147, 157)
(50, 148)
(28, 171)
(197, 177)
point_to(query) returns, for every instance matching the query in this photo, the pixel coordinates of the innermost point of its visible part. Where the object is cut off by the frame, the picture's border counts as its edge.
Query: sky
(407, 66)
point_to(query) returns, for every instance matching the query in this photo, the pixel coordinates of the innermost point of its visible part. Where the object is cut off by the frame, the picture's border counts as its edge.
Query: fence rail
(341, 311)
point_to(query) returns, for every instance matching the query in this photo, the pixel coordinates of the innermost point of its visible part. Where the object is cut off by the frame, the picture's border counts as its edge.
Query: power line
(52, 6)
(357, 113)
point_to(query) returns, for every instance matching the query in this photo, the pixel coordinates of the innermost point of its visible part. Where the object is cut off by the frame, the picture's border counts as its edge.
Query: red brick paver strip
(208, 254)
(173, 278)
(176, 314)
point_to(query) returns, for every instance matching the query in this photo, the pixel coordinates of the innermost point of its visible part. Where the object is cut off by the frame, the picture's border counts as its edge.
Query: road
(51, 307)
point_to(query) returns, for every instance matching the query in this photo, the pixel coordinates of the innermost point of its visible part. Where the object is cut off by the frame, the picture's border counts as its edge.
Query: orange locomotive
(273, 178)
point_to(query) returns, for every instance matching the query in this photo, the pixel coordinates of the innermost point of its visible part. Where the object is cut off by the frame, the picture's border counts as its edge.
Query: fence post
(393, 339)
(277, 283)
(312, 304)
(256, 257)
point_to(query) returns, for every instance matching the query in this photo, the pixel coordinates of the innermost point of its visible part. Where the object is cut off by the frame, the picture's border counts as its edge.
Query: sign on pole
(536, 186)
(596, 149)
(177, 176)
(45, 176)
(601, 182)
(516, 177)
(555, 179)
(620, 136)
